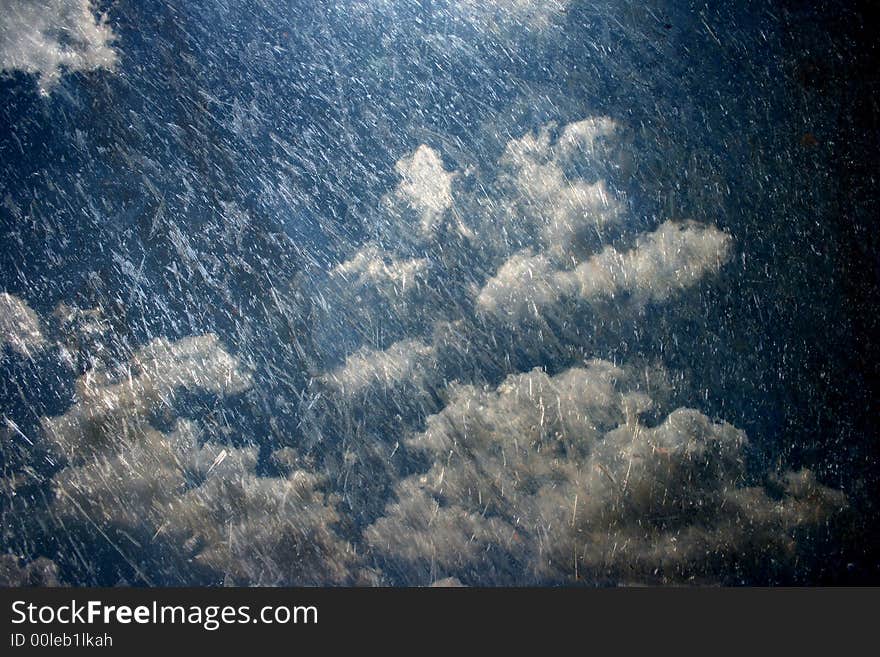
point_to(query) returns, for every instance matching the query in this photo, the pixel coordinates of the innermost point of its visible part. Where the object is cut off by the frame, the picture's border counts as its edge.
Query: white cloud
(19, 326)
(589, 139)
(47, 37)
(266, 531)
(131, 483)
(549, 479)
(372, 269)
(109, 403)
(408, 362)
(546, 202)
(524, 285)
(204, 500)
(426, 186)
(182, 506)
(672, 258)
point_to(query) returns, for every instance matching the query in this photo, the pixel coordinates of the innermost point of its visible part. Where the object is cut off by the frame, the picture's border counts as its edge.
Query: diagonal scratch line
(137, 570)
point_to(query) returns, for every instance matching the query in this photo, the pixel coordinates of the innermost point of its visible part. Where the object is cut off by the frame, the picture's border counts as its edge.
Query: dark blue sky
(239, 151)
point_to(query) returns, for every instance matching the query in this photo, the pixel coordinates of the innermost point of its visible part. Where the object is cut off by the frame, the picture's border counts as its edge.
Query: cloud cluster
(47, 37)
(556, 478)
(408, 362)
(547, 195)
(19, 326)
(589, 474)
(111, 402)
(531, 245)
(187, 509)
(675, 256)
(425, 185)
(561, 210)
(534, 243)
(266, 531)
(430, 449)
(182, 506)
(556, 195)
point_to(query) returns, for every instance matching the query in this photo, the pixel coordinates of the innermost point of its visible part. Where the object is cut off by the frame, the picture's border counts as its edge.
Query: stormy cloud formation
(439, 293)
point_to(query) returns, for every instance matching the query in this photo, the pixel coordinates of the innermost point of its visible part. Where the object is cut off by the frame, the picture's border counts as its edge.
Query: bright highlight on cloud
(48, 37)
(407, 362)
(372, 270)
(673, 257)
(425, 185)
(568, 212)
(19, 326)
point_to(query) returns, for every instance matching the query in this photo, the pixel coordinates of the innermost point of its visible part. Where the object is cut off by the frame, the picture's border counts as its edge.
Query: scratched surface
(454, 292)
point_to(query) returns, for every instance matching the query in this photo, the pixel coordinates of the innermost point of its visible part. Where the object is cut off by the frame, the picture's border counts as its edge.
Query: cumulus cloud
(425, 186)
(373, 270)
(111, 401)
(47, 37)
(523, 285)
(266, 531)
(407, 362)
(549, 199)
(19, 326)
(564, 218)
(558, 478)
(183, 506)
(134, 481)
(206, 502)
(674, 257)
